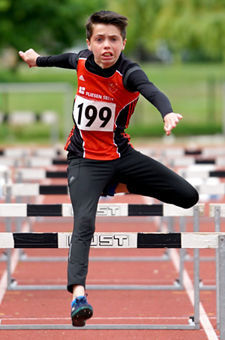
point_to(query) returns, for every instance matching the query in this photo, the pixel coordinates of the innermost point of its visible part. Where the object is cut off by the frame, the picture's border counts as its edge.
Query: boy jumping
(99, 150)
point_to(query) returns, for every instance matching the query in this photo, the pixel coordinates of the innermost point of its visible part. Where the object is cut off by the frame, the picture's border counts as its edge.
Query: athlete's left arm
(138, 81)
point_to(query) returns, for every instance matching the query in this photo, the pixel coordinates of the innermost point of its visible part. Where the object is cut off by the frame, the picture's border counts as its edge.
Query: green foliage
(51, 25)
(190, 28)
(193, 25)
(142, 15)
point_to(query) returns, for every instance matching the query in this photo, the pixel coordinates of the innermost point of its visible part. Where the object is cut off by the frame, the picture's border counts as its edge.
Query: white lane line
(206, 324)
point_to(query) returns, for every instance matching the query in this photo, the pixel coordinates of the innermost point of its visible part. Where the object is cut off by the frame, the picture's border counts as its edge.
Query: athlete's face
(106, 44)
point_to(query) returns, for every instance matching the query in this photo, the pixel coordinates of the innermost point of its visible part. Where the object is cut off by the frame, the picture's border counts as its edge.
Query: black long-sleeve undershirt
(136, 81)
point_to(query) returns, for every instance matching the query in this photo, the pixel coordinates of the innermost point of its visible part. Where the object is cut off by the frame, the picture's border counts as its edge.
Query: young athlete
(99, 150)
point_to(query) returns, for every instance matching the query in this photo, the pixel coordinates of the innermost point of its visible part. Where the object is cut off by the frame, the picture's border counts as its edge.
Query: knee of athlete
(191, 198)
(87, 224)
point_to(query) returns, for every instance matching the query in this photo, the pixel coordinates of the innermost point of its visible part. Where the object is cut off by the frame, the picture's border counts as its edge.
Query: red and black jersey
(102, 110)
(104, 103)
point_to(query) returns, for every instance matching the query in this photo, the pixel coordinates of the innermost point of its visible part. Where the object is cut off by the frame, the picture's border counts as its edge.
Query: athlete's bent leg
(146, 176)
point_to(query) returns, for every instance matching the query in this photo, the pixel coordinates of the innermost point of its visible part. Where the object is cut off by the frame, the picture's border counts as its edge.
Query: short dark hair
(107, 18)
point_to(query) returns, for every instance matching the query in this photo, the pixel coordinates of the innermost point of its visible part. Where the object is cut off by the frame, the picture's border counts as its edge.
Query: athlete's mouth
(107, 54)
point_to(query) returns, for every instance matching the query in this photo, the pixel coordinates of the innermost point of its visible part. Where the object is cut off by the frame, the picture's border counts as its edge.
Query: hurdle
(187, 161)
(38, 174)
(52, 152)
(103, 210)
(196, 151)
(44, 161)
(217, 211)
(34, 189)
(202, 172)
(132, 240)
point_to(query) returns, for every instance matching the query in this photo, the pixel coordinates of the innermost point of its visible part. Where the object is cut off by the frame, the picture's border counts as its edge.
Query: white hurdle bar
(202, 171)
(187, 240)
(35, 189)
(103, 209)
(36, 152)
(36, 174)
(204, 151)
(189, 160)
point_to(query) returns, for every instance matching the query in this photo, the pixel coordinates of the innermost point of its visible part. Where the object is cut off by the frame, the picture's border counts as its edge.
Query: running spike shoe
(81, 310)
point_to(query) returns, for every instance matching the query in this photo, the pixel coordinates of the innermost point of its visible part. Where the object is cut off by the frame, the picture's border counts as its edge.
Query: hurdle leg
(182, 251)
(8, 223)
(222, 286)
(217, 229)
(19, 220)
(196, 272)
(170, 229)
(8, 255)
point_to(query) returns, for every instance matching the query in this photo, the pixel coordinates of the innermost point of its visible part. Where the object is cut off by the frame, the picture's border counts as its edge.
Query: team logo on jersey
(81, 90)
(112, 87)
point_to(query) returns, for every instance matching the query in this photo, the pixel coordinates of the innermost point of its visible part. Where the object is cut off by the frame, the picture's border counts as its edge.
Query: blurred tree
(142, 15)
(51, 25)
(194, 27)
(187, 27)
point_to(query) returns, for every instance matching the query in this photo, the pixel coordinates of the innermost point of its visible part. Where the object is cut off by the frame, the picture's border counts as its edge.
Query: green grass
(195, 91)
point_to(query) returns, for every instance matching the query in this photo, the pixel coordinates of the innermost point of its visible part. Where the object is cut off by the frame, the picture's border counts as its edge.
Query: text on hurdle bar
(113, 240)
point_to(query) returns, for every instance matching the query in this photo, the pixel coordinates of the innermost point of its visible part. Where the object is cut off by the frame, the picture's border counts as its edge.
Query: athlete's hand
(170, 121)
(30, 57)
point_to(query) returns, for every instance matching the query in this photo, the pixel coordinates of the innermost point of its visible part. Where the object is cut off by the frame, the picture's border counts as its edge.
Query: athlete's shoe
(81, 310)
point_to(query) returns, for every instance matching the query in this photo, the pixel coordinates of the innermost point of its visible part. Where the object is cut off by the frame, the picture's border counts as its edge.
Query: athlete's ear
(124, 44)
(89, 44)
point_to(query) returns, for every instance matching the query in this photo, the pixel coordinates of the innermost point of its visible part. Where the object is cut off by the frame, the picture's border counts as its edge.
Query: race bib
(94, 115)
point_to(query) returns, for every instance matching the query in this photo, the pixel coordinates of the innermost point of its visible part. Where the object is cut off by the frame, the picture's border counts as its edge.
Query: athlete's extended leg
(86, 179)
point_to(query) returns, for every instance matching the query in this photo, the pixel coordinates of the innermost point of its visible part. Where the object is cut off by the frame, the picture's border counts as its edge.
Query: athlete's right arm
(30, 57)
(65, 60)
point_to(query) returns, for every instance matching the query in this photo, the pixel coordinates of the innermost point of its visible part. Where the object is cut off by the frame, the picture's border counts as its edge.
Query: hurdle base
(98, 287)
(100, 327)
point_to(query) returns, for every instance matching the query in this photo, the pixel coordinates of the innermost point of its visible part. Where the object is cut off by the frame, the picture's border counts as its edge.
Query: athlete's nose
(106, 44)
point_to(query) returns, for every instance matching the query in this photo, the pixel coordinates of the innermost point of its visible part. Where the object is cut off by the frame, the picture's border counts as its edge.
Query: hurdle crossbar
(113, 240)
(38, 173)
(205, 171)
(103, 209)
(35, 189)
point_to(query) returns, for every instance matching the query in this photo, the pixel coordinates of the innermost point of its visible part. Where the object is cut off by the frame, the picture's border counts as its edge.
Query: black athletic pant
(87, 179)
